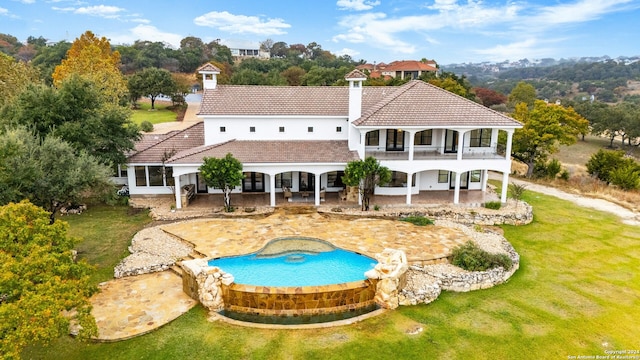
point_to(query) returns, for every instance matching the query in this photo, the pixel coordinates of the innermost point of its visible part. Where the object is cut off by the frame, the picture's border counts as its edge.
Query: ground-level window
(443, 176)
(334, 179)
(155, 176)
(480, 138)
(372, 138)
(399, 179)
(423, 137)
(121, 171)
(284, 180)
(475, 175)
(141, 175)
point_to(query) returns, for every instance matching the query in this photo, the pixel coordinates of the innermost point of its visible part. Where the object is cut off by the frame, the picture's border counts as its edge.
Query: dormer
(209, 76)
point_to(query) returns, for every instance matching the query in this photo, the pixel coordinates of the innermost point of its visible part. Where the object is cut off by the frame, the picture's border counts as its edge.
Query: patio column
(485, 177)
(272, 190)
(456, 192)
(316, 195)
(363, 145)
(460, 144)
(409, 178)
(412, 135)
(505, 186)
(509, 144)
(178, 188)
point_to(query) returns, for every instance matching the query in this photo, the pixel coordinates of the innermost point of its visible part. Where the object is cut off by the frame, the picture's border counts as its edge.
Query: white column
(317, 189)
(456, 192)
(409, 177)
(412, 136)
(509, 144)
(485, 177)
(272, 190)
(178, 190)
(505, 186)
(460, 144)
(362, 146)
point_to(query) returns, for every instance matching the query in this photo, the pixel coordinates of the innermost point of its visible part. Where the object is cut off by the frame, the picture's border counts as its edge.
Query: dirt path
(628, 217)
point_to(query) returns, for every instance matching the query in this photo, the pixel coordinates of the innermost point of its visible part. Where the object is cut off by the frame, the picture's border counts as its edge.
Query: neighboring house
(244, 49)
(302, 137)
(404, 69)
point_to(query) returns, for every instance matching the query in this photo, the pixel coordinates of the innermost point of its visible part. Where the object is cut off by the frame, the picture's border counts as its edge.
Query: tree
(14, 77)
(152, 82)
(545, 126)
(603, 163)
(42, 288)
(79, 115)
(49, 173)
(366, 174)
(294, 75)
(524, 93)
(225, 173)
(490, 97)
(49, 57)
(92, 58)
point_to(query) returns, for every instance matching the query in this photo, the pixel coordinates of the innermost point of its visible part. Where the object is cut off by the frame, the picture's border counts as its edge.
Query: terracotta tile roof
(175, 141)
(420, 104)
(409, 65)
(252, 152)
(208, 67)
(284, 100)
(355, 74)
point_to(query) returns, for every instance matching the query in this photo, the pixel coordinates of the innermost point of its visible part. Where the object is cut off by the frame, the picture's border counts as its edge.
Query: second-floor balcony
(438, 153)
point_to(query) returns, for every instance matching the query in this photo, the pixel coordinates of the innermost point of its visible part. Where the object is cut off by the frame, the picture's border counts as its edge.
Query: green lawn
(577, 292)
(159, 115)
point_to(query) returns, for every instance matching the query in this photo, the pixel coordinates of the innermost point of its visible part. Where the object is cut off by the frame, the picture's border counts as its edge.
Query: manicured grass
(159, 115)
(577, 292)
(106, 233)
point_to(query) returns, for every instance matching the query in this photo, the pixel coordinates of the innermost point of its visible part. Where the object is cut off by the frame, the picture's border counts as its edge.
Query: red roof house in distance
(403, 69)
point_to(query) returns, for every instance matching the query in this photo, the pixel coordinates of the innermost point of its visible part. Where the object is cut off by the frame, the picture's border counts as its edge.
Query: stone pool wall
(299, 301)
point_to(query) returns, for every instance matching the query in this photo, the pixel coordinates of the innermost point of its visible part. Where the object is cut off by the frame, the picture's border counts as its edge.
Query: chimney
(209, 76)
(355, 79)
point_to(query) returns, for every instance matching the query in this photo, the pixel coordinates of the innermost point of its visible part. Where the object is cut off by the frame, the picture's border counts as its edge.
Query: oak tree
(152, 82)
(545, 127)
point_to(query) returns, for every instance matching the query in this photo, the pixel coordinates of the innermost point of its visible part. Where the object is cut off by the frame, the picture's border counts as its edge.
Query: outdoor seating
(287, 193)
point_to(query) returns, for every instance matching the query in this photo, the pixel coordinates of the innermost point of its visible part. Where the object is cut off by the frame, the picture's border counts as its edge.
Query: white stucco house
(302, 137)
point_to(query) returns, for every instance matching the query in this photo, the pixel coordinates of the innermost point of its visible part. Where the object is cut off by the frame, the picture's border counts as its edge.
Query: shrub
(494, 205)
(626, 178)
(376, 207)
(553, 168)
(564, 175)
(602, 163)
(418, 220)
(472, 258)
(146, 126)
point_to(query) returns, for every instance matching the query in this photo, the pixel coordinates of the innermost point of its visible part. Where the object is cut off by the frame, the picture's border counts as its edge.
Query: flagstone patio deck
(135, 305)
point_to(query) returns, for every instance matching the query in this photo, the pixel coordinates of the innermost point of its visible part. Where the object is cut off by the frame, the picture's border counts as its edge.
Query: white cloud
(4, 11)
(347, 51)
(528, 48)
(145, 32)
(240, 24)
(577, 12)
(357, 5)
(104, 11)
(26, 1)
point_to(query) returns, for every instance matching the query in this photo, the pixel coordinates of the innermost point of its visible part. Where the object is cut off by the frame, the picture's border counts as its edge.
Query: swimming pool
(297, 280)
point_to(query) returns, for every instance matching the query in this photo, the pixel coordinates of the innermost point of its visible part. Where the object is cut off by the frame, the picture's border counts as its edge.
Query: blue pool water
(297, 269)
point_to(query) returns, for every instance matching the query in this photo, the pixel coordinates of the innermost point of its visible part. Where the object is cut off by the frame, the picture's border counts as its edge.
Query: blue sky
(449, 31)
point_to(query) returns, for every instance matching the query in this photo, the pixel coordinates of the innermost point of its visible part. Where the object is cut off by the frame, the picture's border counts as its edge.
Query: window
(395, 140)
(141, 175)
(284, 180)
(120, 171)
(252, 129)
(423, 137)
(356, 84)
(155, 176)
(223, 129)
(443, 176)
(334, 179)
(372, 138)
(475, 176)
(310, 129)
(338, 128)
(281, 129)
(399, 179)
(480, 138)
